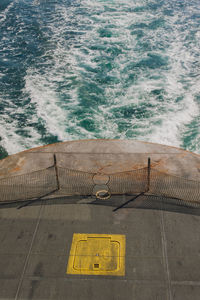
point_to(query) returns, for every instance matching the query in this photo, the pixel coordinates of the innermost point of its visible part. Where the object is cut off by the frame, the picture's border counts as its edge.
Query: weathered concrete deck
(107, 156)
(162, 258)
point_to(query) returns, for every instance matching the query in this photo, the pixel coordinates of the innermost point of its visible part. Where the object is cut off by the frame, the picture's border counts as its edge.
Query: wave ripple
(99, 69)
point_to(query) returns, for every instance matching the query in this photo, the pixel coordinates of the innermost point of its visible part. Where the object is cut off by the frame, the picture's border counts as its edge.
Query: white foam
(4, 14)
(12, 141)
(168, 119)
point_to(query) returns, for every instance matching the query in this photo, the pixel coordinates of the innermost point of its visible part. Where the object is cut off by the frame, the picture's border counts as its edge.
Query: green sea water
(120, 69)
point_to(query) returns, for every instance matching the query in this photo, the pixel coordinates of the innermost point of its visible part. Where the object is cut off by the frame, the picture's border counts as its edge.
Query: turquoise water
(127, 69)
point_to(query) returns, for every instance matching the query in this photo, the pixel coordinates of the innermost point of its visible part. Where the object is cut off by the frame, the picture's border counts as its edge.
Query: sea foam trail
(112, 69)
(5, 12)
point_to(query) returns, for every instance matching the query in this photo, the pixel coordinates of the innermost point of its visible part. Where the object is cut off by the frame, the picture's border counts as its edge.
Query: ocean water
(78, 69)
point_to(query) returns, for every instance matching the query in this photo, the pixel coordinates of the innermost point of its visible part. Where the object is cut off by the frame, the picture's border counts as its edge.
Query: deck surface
(162, 253)
(162, 247)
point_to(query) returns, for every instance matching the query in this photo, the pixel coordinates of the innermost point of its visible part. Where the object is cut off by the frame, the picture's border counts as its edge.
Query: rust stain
(164, 165)
(126, 166)
(19, 165)
(39, 147)
(12, 166)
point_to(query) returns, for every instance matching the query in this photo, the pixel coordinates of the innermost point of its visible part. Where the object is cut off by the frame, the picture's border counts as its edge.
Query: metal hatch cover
(97, 254)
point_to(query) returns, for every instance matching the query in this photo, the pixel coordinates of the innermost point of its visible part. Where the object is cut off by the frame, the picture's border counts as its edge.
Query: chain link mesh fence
(28, 186)
(70, 182)
(74, 182)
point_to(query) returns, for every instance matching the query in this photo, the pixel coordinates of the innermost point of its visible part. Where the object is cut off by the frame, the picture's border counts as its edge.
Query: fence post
(149, 173)
(56, 170)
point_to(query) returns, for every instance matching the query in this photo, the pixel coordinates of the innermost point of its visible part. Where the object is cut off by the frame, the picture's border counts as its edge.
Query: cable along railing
(56, 180)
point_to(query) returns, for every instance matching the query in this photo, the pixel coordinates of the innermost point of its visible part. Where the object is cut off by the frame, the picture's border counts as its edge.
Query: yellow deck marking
(97, 254)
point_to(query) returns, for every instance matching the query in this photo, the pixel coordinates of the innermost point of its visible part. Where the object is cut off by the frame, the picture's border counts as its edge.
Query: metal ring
(105, 192)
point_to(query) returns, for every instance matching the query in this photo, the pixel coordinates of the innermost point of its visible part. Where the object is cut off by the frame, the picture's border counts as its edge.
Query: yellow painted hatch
(97, 254)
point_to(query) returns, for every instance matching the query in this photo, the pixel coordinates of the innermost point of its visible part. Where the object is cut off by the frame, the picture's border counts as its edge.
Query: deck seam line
(165, 257)
(29, 252)
(186, 282)
(115, 153)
